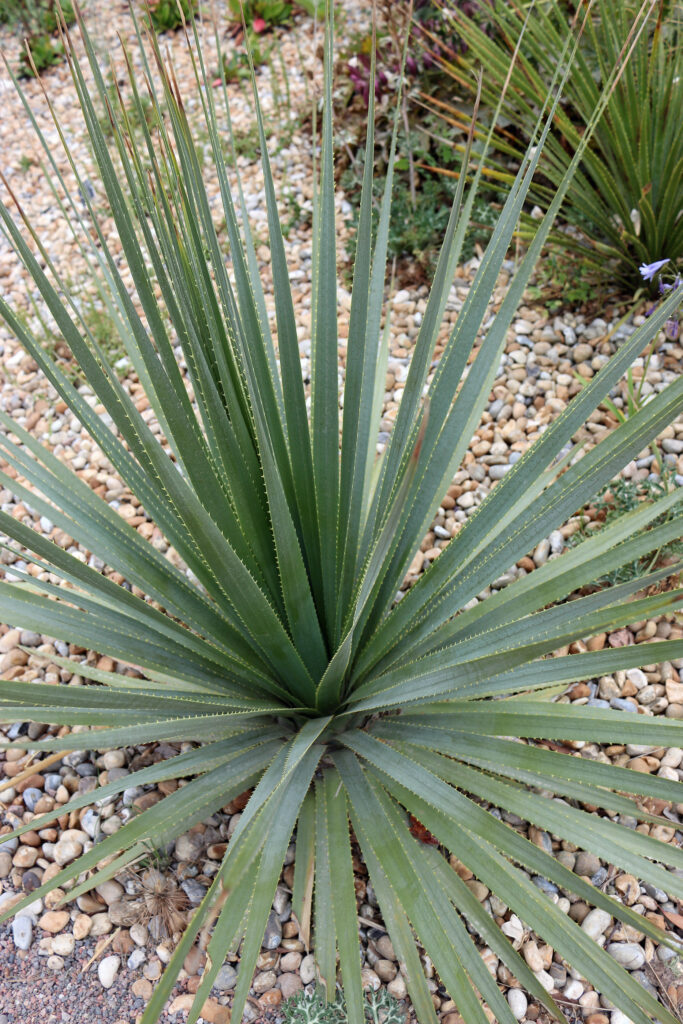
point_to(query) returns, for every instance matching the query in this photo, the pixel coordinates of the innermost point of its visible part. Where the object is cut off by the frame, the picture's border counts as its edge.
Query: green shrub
(166, 15)
(272, 12)
(378, 1007)
(271, 648)
(626, 199)
(619, 498)
(427, 166)
(37, 20)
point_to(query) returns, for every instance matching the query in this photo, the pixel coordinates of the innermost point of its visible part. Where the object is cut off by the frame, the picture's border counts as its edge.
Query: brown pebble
(33, 781)
(82, 925)
(289, 984)
(122, 942)
(195, 959)
(143, 989)
(629, 887)
(215, 1013)
(147, 800)
(54, 921)
(271, 997)
(25, 857)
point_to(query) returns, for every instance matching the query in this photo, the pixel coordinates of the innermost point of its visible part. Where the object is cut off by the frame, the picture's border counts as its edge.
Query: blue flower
(648, 270)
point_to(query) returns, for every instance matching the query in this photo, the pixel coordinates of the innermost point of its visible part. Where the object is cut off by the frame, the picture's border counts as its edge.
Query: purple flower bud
(672, 328)
(648, 270)
(411, 65)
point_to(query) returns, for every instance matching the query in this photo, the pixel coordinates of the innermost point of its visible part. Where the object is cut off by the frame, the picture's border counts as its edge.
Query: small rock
(273, 932)
(113, 759)
(194, 891)
(264, 980)
(139, 934)
(25, 857)
(143, 989)
(518, 1003)
(397, 988)
(573, 989)
(385, 948)
(22, 932)
(533, 957)
(290, 984)
(54, 921)
(136, 959)
(81, 926)
(111, 891)
(55, 963)
(385, 969)
(31, 796)
(63, 945)
(586, 864)
(214, 1013)
(307, 969)
(290, 962)
(369, 979)
(226, 978)
(195, 959)
(67, 850)
(595, 922)
(107, 970)
(629, 887)
(629, 954)
(188, 847)
(620, 1018)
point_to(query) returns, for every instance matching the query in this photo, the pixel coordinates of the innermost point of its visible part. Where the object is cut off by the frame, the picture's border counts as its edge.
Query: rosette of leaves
(272, 12)
(626, 198)
(168, 15)
(379, 1008)
(271, 647)
(37, 21)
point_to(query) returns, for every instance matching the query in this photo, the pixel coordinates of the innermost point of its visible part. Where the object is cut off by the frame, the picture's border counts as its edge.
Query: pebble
(307, 969)
(22, 932)
(67, 850)
(226, 978)
(188, 847)
(63, 944)
(107, 970)
(586, 863)
(518, 1003)
(290, 984)
(596, 922)
(54, 921)
(273, 932)
(629, 954)
(136, 959)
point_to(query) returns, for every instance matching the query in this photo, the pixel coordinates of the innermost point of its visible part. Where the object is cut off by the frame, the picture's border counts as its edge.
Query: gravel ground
(41, 957)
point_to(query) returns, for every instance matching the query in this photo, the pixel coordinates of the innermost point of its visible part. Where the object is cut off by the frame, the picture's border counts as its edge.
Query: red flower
(259, 25)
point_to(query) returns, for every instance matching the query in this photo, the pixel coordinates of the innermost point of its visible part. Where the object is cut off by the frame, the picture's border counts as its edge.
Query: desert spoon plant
(274, 653)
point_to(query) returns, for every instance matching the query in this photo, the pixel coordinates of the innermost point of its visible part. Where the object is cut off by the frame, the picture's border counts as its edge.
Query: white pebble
(518, 1002)
(107, 970)
(595, 922)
